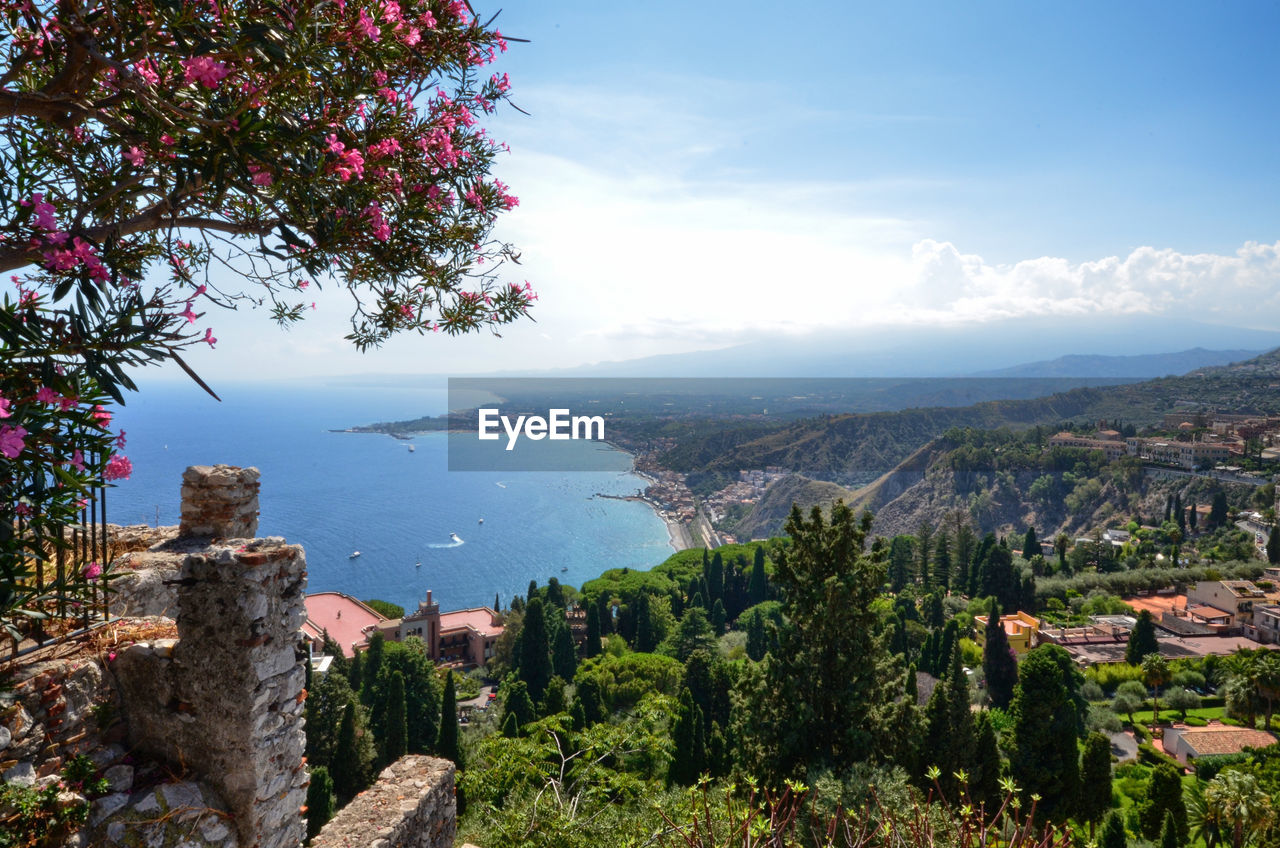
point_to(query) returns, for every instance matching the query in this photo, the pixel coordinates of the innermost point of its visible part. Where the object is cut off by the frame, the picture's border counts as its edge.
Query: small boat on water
(454, 537)
(565, 568)
(482, 521)
(412, 449)
(354, 554)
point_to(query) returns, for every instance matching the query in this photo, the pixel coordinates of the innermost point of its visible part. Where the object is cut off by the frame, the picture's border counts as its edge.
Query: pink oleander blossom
(22, 509)
(12, 440)
(205, 71)
(42, 213)
(189, 314)
(366, 27)
(120, 440)
(44, 394)
(102, 415)
(208, 337)
(4, 408)
(77, 460)
(118, 468)
(135, 156)
(92, 571)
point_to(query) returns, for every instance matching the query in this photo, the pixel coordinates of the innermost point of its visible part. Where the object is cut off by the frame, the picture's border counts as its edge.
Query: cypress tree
(497, 607)
(998, 663)
(555, 594)
(718, 617)
(950, 640)
(1164, 800)
(984, 785)
(395, 742)
(949, 737)
(533, 590)
(1045, 722)
(348, 775)
(510, 726)
(592, 646)
(942, 561)
(340, 663)
(535, 652)
(319, 800)
(900, 562)
(517, 707)
(757, 643)
(1030, 544)
(924, 551)
(1142, 639)
(910, 686)
(578, 716)
(898, 636)
(690, 758)
(355, 671)
(591, 699)
(645, 641)
(758, 589)
(554, 702)
(564, 660)
(447, 742)
(715, 578)
(934, 614)
(604, 611)
(1218, 510)
(1273, 546)
(677, 602)
(1180, 517)
(1095, 779)
(1169, 833)
(372, 665)
(1113, 835)
(1192, 517)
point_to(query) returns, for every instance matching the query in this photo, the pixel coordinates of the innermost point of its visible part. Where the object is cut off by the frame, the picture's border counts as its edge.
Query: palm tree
(1240, 689)
(1155, 671)
(1266, 666)
(1242, 809)
(1202, 820)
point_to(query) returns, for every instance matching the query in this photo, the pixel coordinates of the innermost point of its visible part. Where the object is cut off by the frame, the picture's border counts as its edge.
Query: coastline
(680, 537)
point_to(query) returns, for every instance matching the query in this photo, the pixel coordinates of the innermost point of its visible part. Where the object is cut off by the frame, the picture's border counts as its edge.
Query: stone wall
(219, 501)
(226, 699)
(411, 805)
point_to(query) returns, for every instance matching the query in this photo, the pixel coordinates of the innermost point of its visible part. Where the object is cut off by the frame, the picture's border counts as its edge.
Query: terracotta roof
(343, 616)
(479, 619)
(1225, 740)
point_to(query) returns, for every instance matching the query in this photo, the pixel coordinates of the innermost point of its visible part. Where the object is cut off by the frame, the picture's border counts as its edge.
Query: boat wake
(456, 544)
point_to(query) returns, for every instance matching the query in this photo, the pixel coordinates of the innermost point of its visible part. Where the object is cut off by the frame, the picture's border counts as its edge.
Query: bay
(335, 493)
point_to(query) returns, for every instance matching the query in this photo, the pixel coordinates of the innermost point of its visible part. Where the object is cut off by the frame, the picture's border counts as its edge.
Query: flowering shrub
(161, 158)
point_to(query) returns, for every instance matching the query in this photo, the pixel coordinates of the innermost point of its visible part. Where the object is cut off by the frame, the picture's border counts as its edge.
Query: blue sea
(336, 493)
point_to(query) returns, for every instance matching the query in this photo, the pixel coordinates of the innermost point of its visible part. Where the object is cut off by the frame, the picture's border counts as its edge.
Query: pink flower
(120, 440)
(11, 440)
(47, 395)
(189, 314)
(147, 70)
(366, 27)
(205, 71)
(92, 571)
(22, 509)
(118, 468)
(208, 337)
(135, 156)
(111, 657)
(302, 284)
(42, 213)
(77, 461)
(4, 408)
(101, 415)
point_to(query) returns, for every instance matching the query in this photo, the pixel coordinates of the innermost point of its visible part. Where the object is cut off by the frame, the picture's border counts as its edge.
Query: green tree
(1045, 724)
(694, 633)
(535, 652)
(553, 703)
(1129, 698)
(349, 772)
(984, 782)
(372, 664)
(687, 735)
(645, 641)
(1113, 835)
(1242, 809)
(1155, 671)
(1218, 510)
(1169, 833)
(1030, 544)
(998, 663)
(949, 732)
(758, 588)
(447, 744)
(1181, 699)
(942, 561)
(1142, 639)
(1164, 798)
(1062, 543)
(718, 617)
(1273, 545)
(1095, 780)
(817, 703)
(518, 709)
(395, 738)
(319, 800)
(355, 671)
(924, 551)
(564, 660)
(592, 646)
(901, 560)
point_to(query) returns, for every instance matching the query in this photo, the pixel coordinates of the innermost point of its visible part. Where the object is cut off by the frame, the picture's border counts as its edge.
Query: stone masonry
(410, 806)
(219, 501)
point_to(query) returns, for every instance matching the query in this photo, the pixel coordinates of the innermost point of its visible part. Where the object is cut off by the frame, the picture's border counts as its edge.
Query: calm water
(335, 493)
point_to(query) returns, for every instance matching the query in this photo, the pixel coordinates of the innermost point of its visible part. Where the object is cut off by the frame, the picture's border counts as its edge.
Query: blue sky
(691, 173)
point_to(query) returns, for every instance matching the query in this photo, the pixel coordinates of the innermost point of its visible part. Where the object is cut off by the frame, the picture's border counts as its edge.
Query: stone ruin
(200, 737)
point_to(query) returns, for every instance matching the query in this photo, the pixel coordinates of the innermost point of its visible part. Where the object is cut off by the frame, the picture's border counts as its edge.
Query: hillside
(767, 517)
(854, 449)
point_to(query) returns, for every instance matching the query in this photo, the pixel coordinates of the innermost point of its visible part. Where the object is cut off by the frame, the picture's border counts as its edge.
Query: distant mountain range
(1144, 366)
(1130, 346)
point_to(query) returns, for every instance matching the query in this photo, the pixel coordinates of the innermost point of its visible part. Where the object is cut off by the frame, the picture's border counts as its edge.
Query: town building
(1236, 598)
(1113, 448)
(1188, 455)
(1019, 628)
(346, 620)
(1187, 744)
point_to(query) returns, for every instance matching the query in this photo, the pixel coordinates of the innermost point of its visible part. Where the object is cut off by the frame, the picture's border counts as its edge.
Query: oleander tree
(162, 160)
